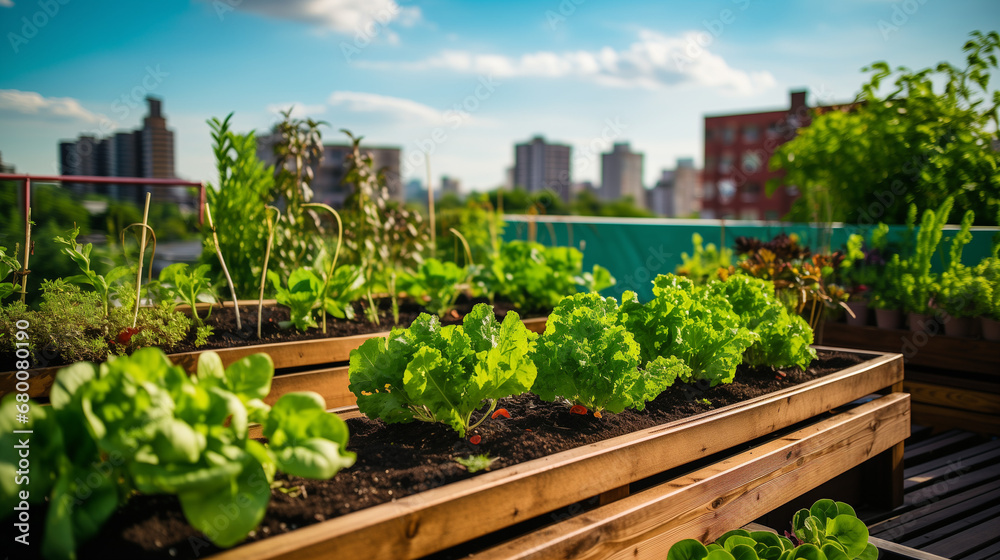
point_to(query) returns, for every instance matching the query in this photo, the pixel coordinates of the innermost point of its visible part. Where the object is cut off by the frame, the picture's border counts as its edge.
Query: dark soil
(402, 459)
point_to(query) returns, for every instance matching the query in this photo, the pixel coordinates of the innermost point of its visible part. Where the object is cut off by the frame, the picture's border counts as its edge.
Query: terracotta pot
(962, 327)
(888, 318)
(991, 328)
(860, 310)
(917, 321)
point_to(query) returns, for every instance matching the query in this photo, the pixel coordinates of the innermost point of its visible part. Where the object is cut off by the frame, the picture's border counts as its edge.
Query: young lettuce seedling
(444, 374)
(179, 282)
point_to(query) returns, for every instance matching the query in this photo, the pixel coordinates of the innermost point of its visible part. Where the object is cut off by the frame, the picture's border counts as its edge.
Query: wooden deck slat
(954, 485)
(937, 447)
(944, 417)
(945, 472)
(942, 461)
(959, 545)
(991, 552)
(953, 528)
(951, 397)
(918, 519)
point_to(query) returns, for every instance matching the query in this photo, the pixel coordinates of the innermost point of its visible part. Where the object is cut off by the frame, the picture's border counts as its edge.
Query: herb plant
(142, 424)
(80, 254)
(8, 265)
(178, 282)
(444, 374)
(827, 531)
(588, 357)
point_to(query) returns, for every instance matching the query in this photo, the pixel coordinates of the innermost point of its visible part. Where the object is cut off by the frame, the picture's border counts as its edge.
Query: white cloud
(397, 107)
(6, 4)
(33, 103)
(341, 16)
(654, 61)
(299, 110)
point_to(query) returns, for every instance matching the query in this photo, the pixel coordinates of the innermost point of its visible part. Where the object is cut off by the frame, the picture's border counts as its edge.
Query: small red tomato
(578, 409)
(474, 440)
(500, 412)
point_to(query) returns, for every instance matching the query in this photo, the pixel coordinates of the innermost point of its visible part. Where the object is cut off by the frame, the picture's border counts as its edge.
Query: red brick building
(737, 151)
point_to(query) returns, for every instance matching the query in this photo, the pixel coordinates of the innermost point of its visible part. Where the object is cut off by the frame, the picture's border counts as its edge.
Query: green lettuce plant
(444, 374)
(303, 294)
(827, 531)
(704, 262)
(588, 357)
(140, 423)
(696, 326)
(436, 284)
(190, 286)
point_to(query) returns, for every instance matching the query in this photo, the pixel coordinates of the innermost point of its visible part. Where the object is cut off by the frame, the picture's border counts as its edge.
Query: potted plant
(917, 282)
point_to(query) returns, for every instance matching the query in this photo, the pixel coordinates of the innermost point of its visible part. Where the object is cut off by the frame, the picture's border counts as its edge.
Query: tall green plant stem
(336, 253)
(27, 253)
(267, 256)
(222, 261)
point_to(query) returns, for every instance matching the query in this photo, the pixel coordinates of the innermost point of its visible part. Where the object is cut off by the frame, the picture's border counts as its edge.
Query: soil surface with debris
(398, 460)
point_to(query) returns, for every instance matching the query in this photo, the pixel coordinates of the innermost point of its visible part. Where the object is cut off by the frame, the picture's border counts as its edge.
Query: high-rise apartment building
(328, 174)
(146, 152)
(541, 166)
(737, 150)
(621, 175)
(677, 193)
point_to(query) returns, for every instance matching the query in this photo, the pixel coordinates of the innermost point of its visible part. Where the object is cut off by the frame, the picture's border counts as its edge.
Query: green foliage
(67, 320)
(534, 276)
(8, 265)
(783, 338)
(916, 281)
(476, 463)
(244, 189)
(827, 531)
(587, 203)
(697, 326)
(588, 357)
(303, 294)
(178, 282)
(345, 287)
(925, 139)
(443, 374)
(81, 256)
(705, 261)
(436, 284)
(989, 270)
(142, 424)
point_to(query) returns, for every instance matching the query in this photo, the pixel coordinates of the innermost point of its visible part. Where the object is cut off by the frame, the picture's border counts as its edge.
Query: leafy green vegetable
(697, 326)
(303, 295)
(345, 287)
(589, 358)
(783, 337)
(81, 256)
(189, 286)
(443, 374)
(436, 284)
(8, 265)
(476, 463)
(142, 424)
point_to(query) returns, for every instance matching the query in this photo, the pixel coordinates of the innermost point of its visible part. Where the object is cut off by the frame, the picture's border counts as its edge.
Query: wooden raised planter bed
(742, 487)
(954, 382)
(286, 355)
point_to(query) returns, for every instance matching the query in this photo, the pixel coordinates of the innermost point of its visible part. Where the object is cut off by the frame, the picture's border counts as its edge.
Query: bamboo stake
(222, 261)
(267, 256)
(336, 253)
(142, 252)
(27, 253)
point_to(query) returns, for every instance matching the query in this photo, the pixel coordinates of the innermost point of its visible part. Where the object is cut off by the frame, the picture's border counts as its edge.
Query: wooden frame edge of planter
(730, 493)
(285, 355)
(437, 519)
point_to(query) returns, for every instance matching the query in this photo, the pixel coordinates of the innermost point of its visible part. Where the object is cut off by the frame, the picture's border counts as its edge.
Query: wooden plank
(989, 553)
(295, 354)
(708, 502)
(949, 459)
(962, 523)
(920, 349)
(330, 383)
(944, 472)
(934, 513)
(938, 446)
(953, 485)
(613, 495)
(424, 523)
(903, 551)
(969, 382)
(950, 397)
(983, 534)
(944, 418)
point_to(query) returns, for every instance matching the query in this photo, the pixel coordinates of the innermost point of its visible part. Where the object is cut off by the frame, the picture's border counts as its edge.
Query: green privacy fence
(635, 250)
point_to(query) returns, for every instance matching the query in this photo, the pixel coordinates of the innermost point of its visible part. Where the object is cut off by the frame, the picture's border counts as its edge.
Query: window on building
(751, 133)
(708, 191)
(709, 134)
(729, 134)
(727, 189)
(726, 164)
(752, 162)
(751, 191)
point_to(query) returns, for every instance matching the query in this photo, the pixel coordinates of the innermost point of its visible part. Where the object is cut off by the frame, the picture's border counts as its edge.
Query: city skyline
(461, 81)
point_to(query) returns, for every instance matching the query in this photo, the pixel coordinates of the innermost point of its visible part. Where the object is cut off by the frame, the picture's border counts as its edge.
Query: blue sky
(462, 80)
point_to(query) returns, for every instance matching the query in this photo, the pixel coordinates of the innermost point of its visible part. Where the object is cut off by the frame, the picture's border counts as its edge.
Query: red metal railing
(27, 179)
